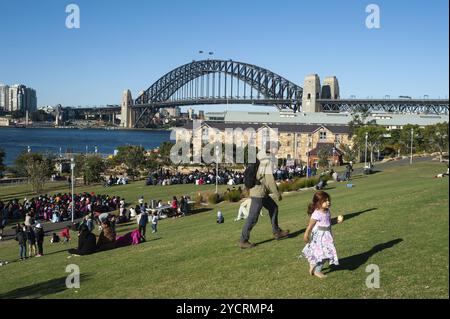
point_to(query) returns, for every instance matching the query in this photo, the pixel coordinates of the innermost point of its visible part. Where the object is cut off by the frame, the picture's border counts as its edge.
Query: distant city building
(173, 112)
(17, 97)
(5, 121)
(48, 109)
(191, 113)
(4, 97)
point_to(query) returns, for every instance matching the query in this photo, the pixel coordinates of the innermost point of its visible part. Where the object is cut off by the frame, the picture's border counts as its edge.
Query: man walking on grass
(259, 195)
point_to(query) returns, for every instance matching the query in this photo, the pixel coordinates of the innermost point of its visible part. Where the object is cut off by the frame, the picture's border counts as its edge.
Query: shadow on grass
(129, 223)
(265, 241)
(198, 211)
(355, 261)
(356, 177)
(41, 289)
(352, 215)
(148, 239)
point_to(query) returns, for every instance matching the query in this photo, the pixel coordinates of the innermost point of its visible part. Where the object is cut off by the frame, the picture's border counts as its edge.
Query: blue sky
(130, 44)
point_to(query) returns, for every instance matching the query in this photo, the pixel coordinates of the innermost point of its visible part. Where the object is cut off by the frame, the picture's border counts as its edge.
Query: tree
(133, 157)
(324, 154)
(359, 118)
(37, 172)
(40, 116)
(164, 152)
(395, 144)
(90, 167)
(405, 137)
(80, 160)
(349, 153)
(437, 138)
(375, 138)
(21, 162)
(94, 167)
(17, 114)
(2, 166)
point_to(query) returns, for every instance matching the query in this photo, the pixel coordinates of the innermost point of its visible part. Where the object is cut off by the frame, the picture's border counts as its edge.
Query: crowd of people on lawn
(162, 177)
(116, 180)
(57, 208)
(95, 212)
(165, 177)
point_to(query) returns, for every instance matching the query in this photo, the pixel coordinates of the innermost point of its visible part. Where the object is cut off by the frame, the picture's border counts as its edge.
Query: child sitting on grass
(65, 235)
(55, 239)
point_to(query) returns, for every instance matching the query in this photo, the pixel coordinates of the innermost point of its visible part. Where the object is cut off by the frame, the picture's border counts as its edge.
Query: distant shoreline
(88, 128)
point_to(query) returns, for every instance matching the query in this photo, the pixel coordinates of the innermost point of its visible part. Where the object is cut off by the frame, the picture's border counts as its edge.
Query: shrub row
(298, 183)
(236, 195)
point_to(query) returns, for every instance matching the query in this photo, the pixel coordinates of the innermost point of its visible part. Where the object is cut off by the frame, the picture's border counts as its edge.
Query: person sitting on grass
(443, 174)
(86, 242)
(65, 234)
(55, 217)
(107, 238)
(220, 218)
(55, 239)
(174, 205)
(88, 221)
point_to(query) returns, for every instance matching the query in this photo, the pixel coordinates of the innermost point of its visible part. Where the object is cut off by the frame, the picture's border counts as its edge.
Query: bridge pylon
(127, 117)
(311, 93)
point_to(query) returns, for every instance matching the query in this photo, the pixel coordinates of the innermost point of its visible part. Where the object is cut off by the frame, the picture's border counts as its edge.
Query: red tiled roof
(321, 146)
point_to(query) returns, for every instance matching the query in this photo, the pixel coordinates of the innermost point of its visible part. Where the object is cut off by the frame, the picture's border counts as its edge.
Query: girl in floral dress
(320, 248)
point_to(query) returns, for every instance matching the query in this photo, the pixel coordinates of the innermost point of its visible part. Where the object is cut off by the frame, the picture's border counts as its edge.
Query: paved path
(380, 166)
(49, 228)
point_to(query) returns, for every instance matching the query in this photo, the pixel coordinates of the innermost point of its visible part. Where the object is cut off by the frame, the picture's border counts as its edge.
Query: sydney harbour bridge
(209, 82)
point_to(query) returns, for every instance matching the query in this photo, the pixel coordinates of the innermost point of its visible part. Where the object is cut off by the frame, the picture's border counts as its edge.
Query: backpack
(250, 175)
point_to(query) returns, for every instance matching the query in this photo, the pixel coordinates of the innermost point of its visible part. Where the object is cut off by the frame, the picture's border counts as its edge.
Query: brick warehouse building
(300, 133)
(295, 140)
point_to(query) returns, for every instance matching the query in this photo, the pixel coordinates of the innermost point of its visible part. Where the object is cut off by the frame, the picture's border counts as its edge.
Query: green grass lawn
(396, 219)
(130, 192)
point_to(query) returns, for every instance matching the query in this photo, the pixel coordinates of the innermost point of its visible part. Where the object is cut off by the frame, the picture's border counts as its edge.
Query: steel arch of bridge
(274, 89)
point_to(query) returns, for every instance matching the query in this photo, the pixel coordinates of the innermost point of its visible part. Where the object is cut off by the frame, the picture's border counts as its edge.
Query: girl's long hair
(318, 198)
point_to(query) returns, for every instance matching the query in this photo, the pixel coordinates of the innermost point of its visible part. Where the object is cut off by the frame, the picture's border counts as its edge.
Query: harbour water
(16, 140)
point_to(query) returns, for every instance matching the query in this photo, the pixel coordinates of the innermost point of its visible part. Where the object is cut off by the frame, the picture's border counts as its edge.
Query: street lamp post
(217, 167)
(72, 167)
(412, 138)
(307, 164)
(365, 152)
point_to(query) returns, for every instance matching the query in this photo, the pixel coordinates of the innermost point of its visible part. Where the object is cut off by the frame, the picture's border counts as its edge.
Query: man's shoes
(281, 234)
(246, 244)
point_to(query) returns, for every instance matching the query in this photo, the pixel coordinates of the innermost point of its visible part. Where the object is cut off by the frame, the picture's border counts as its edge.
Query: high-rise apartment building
(21, 98)
(4, 97)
